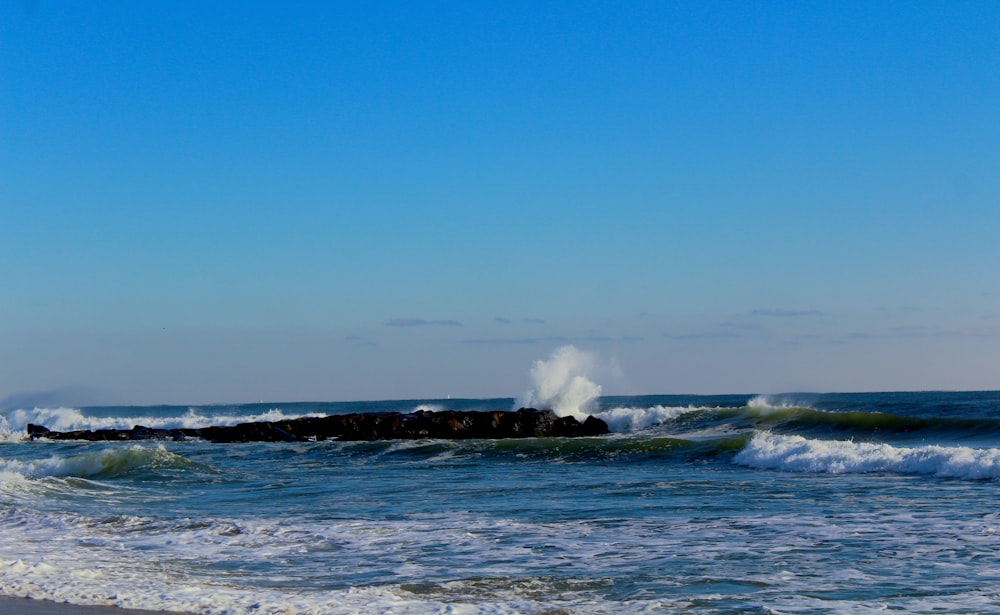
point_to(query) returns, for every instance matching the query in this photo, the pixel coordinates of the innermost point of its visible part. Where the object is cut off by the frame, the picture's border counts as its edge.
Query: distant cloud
(420, 322)
(502, 321)
(783, 313)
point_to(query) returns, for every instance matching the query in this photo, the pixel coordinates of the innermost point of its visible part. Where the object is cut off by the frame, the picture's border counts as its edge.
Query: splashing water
(562, 383)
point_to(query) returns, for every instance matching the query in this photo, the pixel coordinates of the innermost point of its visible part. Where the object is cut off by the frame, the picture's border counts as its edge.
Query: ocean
(796, 503)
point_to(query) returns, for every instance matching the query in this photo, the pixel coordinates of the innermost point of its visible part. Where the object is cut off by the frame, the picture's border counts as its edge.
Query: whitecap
(623, 419)
(14, 422)
(798, 454)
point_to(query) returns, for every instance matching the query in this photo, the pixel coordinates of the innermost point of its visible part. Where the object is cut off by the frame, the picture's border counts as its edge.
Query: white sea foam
(14, 422)
(138, 562)
(795, 453)
(492, 565)
(623, 419)
(563, 383)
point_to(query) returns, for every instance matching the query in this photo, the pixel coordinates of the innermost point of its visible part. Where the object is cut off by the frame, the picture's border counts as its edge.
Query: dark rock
(445, 425)
(37, 431)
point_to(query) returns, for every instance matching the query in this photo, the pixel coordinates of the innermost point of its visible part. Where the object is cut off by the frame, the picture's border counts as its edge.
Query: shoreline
(31, 606)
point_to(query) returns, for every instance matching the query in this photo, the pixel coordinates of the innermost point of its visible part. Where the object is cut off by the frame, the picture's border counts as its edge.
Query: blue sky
(335, 201)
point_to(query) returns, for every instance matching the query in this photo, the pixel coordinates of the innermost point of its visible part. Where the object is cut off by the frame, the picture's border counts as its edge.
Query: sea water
(845, 503)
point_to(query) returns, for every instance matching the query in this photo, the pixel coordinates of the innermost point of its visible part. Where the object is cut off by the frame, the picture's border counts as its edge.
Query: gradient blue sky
(223, 202)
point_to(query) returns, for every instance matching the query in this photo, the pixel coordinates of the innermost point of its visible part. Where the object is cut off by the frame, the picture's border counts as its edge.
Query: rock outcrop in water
(446, 425)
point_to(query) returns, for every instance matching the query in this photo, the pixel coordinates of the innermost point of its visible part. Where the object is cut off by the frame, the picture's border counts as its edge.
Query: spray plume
(562, 384)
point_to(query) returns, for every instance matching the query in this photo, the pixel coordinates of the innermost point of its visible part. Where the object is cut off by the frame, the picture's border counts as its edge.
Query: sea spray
(562, 383)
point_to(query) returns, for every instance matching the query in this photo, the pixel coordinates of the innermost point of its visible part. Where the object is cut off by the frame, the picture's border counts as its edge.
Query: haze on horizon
(228, 202)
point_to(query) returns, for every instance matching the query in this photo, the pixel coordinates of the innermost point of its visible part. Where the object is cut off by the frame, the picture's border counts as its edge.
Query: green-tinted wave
(816, 423)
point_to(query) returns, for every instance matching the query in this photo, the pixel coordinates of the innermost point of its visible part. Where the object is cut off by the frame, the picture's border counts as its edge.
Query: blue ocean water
(799, 503)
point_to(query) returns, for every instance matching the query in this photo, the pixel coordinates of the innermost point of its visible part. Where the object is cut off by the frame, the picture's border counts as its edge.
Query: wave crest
(798, 454)
(98, 464)
(766, 404)
(623, 419)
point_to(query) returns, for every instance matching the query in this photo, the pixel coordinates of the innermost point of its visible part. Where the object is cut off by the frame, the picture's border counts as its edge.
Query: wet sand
(25, 606)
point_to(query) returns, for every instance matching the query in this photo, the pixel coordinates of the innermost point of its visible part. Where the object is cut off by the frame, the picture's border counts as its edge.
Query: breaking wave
(14, 422)
(563, 383)
(799, 454)
(98, 464)
(622, 419)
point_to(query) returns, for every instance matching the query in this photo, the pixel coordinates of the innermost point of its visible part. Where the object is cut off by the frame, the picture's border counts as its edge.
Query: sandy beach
(26, 606)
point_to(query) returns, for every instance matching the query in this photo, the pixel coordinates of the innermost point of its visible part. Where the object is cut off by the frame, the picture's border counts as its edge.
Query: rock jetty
(446, 425)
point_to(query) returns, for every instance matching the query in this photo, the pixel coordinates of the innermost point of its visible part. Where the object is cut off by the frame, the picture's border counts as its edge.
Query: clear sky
(232, 201)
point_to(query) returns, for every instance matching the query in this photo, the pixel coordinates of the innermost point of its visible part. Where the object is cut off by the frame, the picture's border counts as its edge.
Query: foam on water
(491, 527)
(14, 422)
(120, 573)
(621, 420)
(798, 454)
(465, 563)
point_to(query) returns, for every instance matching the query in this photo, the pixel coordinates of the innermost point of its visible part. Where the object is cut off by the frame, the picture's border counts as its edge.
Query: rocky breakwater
(446, 425)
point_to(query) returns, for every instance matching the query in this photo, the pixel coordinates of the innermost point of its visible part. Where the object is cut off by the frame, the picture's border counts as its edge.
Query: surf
(14, 422)
(799, 454)
(105, 463)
